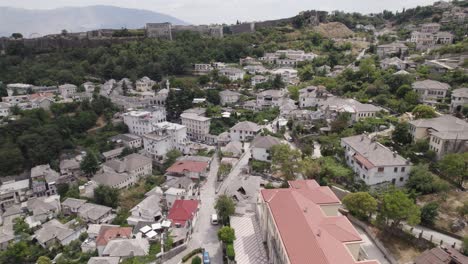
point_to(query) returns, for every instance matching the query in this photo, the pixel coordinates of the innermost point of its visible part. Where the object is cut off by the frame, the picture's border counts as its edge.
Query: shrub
(191, 254)
(196, 260)
(230, 251)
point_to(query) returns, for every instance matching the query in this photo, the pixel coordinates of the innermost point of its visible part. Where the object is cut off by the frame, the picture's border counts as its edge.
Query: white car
(214, 219)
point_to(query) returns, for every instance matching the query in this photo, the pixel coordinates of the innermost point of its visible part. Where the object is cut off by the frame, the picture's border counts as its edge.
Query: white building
(244, 131)
(374, 163)
(4, 109)
(202, 68)
(229, 97)
(258, 79)
(67, 90)
(140, 122)
(288, 75)
(233, 74)
(459, 99)
(148, 210)
(312, 95)
(270, 98)
(165, 137)
(144, 84)
(393, 62)
(261, 147)
(287, 57)
(431, 92)
(18, 88)
(128, 140)
(198, 127)
(333, 106)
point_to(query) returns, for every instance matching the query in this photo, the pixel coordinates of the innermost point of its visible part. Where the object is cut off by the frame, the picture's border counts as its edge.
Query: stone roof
(73, 203)
(179, 182)
(196, 117)
(234, 147)
(228, 93)
(110, 178)
(113, 152)
(53, 229)
(104, 260)
(461, 92)
(43, 205)
(246, 126)
(348, 105)
(45, 171)
(135, 161)
(272, 93)
(93, 211)
(430, 85)
(265, 142)
(127, 247)
(377, 154)
(445, 127)
(149, 204)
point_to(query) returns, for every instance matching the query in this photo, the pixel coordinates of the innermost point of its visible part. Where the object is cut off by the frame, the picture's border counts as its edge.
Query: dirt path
(100, 123)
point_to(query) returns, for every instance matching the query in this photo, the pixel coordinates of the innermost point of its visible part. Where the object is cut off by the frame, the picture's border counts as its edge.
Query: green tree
(171, 157)
(20, 227)
(424, 111)
(360, 204)
(401, 133)
(196, 260)
(278, 82)
(90, 164)
(17, 35)
(396, 206)
(429, 213)
(44, 260)
(226, 234)
(107, 196)
(465, 246)
(225, 207)
(454, 167)
(286, 160)
(423, 181)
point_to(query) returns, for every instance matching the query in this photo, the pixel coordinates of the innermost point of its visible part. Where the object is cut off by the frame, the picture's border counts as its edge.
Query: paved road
(237, 170)
(205, 234)
(436, 236)
(373, 252)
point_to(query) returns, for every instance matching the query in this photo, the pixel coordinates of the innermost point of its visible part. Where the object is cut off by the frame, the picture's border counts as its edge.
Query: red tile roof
(187, 165)
(182, 211)
(107, 233)
(308, 235)
(365, 162)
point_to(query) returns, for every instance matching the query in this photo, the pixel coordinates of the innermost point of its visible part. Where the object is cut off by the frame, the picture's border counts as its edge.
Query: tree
(341, 122)
(396, 206)
(213, 97)
(465, 246)
(454, 167)
(17, 35)
(44, 260)
(401, 133)
(429, 213)
(286, 160)
(360, 204)
(278, 82)
(423, 181)
(105, 195)
(90, 164)
(225, 207)
(226, 234)
(20, 227)
(424, 111)
(171, 157)
(196, 260)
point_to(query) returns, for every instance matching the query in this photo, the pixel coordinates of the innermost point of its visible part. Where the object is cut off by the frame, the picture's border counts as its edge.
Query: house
(229, 97)
(166, 137)
(144, 84)
(459, 99)
(288, 75)
(270, 98)
(233, 149)
(374, 163)
(233, 74)
(202, 68)
(30, 101)
(128, 140)
(104, 260)
(183, 213)
(430, 28)
(258, 79)
(244, 131)
(446, 134)
(431, 92)
(14, 192)
(393, 49)
(18, 88)
(72, 205)
(255, 69)
(125, 248)
(191, 169)
(287, 57)
(6, 238)
(42, 209)
(244, 191)
(440, 255)
(333, 106)
(198, 126)
(113, 153)
(124, 172)
(44, 180)
(301, 224)
(67, 90)
(393, 62)
(223, 139)
(261, 147)
(310, 96)
(95, 213)
(140, 122)
(109, 233)
(4, 109)
(148, 210)
(172, 194)
(53, 232)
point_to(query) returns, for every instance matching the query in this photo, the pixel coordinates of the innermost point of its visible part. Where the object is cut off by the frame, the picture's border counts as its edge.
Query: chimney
(394, 154)
(319, 232)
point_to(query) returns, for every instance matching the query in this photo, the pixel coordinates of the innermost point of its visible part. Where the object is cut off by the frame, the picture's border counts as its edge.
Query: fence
(421, 234)
(173, 252)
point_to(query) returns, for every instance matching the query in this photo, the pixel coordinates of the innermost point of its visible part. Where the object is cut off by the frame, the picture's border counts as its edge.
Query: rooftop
(127, 247)
(430, 85)
(265, 142)
(187, 165)
(246, 126)
(461, 92)
(93, 211)
(107, 233)
(182, 211)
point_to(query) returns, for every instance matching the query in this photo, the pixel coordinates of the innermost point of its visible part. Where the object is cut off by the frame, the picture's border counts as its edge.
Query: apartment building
(141, 122)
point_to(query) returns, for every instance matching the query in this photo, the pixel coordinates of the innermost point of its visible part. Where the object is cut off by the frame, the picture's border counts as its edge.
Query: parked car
(214, 219)
(206, 257)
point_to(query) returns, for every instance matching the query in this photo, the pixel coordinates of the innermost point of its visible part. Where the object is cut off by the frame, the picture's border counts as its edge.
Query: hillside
(333, 30)
(76, 19)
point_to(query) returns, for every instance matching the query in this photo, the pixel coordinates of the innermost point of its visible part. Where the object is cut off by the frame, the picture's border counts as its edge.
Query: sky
(222, 11)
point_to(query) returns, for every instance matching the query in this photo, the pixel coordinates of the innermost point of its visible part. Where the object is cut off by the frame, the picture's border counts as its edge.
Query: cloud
(218, 11)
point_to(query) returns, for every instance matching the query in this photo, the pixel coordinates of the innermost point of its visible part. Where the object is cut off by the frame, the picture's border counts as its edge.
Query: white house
(258, 79)
(393, 62)
(67, 90)
(128, 140)
(430, 91)
(140, 122)
(233, 74)
(202, 68)
(229, 97)
(312, 95)
(333, 106)
(261, 147)
(288, 75)
(374, 163)
(459, 99)
(270, 98)
(148, 210)
(166, 136)
(144, 84)
(244, 131)
(4, 109)
(198, 127)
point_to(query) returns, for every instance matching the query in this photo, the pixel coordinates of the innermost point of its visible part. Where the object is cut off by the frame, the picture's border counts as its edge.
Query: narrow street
(236, 170)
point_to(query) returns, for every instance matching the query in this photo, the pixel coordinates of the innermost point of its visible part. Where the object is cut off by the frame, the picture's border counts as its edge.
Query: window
(380, 169)
(395, 169)
(401, 179)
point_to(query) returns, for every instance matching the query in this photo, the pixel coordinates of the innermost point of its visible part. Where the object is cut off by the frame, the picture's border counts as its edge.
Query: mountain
(76, 19)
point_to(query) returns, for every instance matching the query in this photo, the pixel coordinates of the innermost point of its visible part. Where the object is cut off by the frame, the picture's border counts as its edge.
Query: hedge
(191, 254)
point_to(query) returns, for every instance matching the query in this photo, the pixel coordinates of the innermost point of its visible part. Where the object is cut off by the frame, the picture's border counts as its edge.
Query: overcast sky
(228, 11)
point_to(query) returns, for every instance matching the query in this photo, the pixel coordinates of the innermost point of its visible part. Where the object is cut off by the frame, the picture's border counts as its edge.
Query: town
(322, 138)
